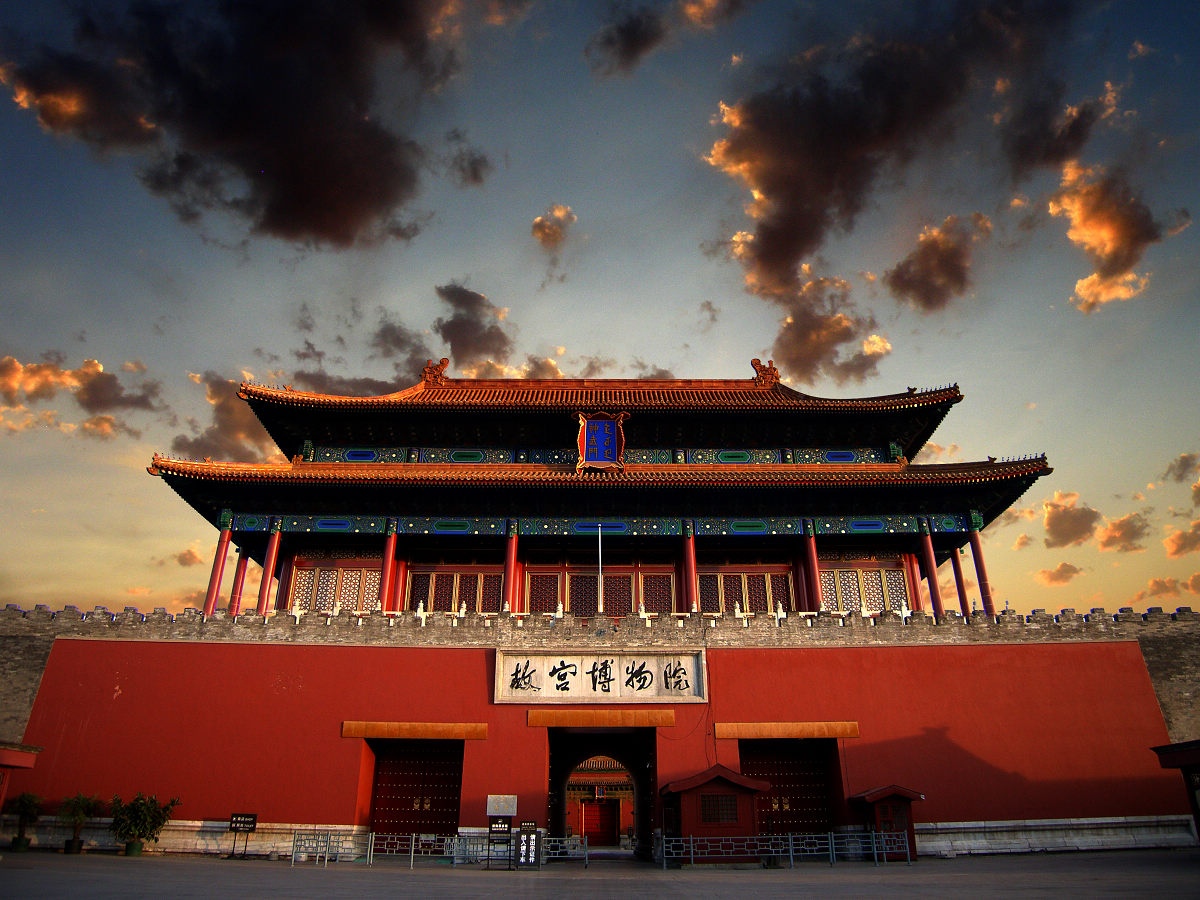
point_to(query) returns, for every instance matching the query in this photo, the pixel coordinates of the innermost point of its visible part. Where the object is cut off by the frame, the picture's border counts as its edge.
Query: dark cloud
(261, 110)
(1124, 535)
(630, 34)
(939, 269)
(235, 433)
(1113, 225)
(596, 366)
(100, 392)
(812, 144)
(473, 331)
(324, 383)
(1037, 130)
(709, 313)
(1067, 524)
(469, 166)
(405, 348)
(1182, 467)
(821, 335)
(651, 372)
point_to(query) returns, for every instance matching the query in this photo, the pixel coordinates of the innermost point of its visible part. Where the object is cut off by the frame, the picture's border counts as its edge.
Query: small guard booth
(717, 802)
(889, 809)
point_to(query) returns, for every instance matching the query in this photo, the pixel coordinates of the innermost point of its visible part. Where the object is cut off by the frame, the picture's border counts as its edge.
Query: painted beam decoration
(649, 676)
(601, 441)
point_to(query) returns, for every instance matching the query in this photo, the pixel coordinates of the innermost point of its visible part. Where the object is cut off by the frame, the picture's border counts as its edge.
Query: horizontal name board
(627, 677)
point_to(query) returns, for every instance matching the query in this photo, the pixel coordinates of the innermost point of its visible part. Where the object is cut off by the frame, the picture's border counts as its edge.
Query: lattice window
(756, 593)
(491, 597)
(582, 595)
(781, 591)
(849, 588)
(443, 593)
(543, 593)
(829, 594)
(658, 594)
(371, 580)
(733, 592)
(327, 580)
(468, 592)
(872, 587)
(710, 593)
(350, 590)
(303, 582)
(418, 590)
(618, 595)
(897, 589)
(716, 809)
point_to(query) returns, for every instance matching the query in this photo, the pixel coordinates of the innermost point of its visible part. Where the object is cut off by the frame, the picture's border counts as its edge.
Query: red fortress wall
(1003, 731)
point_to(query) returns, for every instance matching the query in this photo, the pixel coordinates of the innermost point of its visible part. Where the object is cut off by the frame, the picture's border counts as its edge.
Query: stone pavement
(1131, 873)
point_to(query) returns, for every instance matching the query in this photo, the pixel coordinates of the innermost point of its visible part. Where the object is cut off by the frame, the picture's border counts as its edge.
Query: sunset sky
(325, 193)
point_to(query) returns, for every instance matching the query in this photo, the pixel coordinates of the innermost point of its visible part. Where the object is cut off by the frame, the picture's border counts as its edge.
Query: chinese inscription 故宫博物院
(638, 677)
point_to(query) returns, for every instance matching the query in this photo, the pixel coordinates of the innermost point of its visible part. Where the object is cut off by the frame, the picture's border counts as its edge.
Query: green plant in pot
(141, 819)
(28, 809)
(74, 812)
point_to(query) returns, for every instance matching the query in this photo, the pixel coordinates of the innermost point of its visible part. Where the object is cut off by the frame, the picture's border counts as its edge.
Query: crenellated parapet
(414, 629)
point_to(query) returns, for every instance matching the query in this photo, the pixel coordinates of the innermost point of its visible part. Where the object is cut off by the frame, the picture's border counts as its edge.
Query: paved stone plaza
(1134, 873)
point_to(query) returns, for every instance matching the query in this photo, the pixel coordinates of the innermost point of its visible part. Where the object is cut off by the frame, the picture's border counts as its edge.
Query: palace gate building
(594, 595)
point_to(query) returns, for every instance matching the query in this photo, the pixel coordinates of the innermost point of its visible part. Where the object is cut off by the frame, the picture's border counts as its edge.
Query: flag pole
(599, 567)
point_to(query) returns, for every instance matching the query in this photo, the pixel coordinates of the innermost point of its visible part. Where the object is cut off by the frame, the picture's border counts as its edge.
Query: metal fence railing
(829, 847)
(323, 847)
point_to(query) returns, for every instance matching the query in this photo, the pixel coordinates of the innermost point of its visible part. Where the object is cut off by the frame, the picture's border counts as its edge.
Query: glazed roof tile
(646, 475)
(584, 393)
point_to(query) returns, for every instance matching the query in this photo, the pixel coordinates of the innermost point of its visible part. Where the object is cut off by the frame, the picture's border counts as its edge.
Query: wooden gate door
(417, 786)
(601, 819)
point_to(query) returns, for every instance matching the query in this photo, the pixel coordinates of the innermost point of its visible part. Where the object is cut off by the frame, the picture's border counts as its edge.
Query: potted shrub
(28, 809)
(141, 819)
(74, 812)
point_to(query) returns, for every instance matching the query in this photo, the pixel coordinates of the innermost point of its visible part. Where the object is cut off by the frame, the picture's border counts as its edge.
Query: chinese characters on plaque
(601, 441)
(628, 677)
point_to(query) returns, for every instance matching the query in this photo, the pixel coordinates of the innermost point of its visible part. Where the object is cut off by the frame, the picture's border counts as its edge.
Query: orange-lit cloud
(1061, 574)
(939, 269)
(1181, 543)
(1067, 524)
(550, 229)
(933, 452)
(1013, 515)
(1124, 535)
(1159, 587)
(1023, 540)
(1113, 226)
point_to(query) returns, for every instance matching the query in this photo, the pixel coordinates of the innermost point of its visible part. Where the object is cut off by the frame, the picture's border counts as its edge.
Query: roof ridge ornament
(435, 374)
(765, 375)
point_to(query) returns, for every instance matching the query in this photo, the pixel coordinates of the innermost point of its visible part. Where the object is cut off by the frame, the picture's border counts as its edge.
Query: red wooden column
(985, 587)
(691, 583)
(959, 583)
(239, 582)
(399, 585)
(512, 593)
(812, 567)
(799, 585)
(387, 569)
(268, 575)
(218, 567)
(930, 562)
(913, 573)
